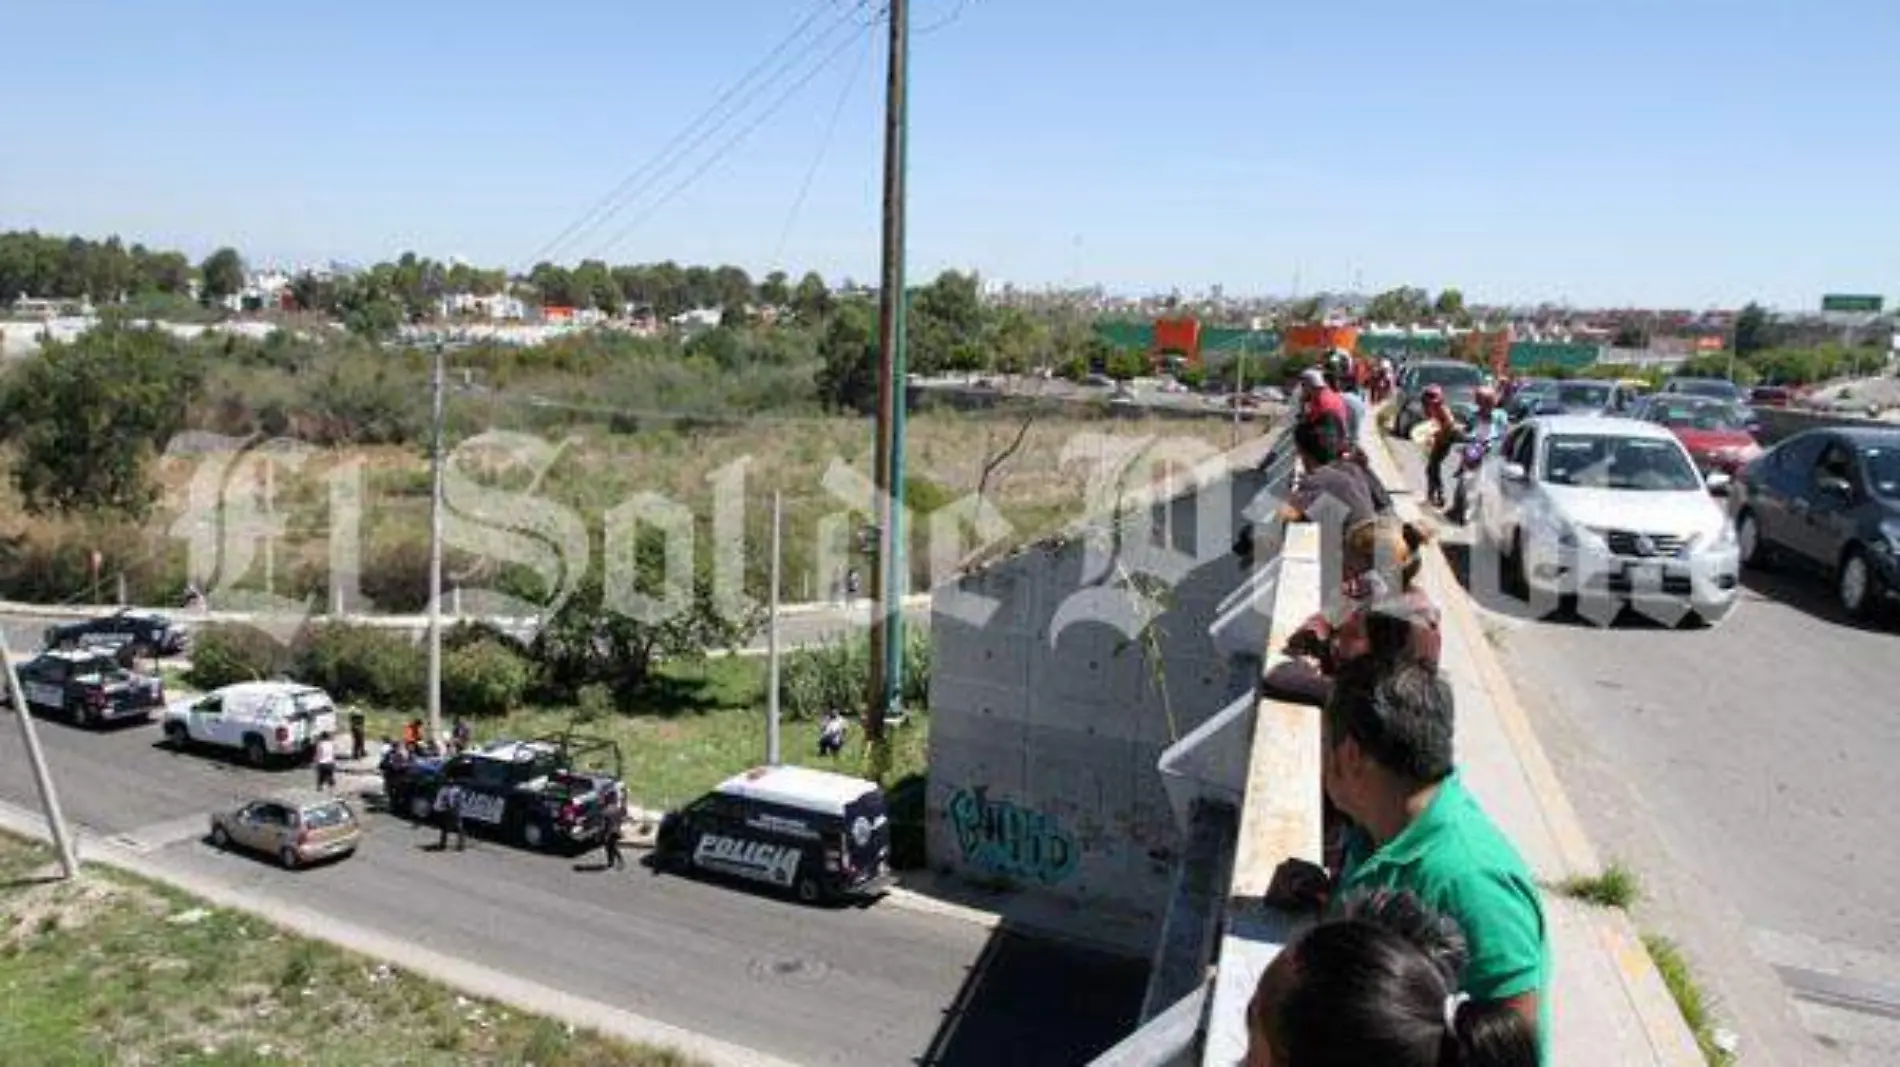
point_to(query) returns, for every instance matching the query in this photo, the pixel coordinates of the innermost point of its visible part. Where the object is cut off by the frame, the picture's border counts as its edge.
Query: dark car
(141, 633)
(1714, 388)
(1827, 500)
(1456, 378)
(1772, 396)
(88, 687)
(531, 792)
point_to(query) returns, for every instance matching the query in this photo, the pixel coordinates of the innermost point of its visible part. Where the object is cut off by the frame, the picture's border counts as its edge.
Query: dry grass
(109, 969)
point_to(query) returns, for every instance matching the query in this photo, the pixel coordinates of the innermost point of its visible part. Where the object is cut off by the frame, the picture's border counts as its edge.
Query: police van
(817, 834)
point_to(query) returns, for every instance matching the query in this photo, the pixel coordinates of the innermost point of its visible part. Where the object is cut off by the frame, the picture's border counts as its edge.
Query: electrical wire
(955, 14)
(824, 147)
(593, 216)
(724, 149)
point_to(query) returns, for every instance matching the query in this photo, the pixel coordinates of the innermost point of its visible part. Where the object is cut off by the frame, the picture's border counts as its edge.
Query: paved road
(1747, 774)
(850, 986)
(23, 627)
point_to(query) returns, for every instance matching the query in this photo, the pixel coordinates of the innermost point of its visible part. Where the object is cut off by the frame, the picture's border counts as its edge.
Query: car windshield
(1583, 394)
(1599, 461)
(1699, 415)
(1883, 469)
(325, 816)
(1449, 374)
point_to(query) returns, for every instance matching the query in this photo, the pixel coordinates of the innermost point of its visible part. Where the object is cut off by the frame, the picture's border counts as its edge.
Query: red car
(1714, 431)
(1773, 396)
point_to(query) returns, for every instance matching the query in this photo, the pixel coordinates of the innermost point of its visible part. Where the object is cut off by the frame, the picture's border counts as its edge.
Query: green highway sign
(1851, 302)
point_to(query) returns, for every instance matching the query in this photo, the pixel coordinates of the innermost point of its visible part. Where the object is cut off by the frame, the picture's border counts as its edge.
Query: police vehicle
(89, 687)
(536, 793)
(817, 834)
(144, 634)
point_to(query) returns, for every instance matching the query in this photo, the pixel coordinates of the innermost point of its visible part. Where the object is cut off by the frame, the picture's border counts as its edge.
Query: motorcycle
(1469, 461)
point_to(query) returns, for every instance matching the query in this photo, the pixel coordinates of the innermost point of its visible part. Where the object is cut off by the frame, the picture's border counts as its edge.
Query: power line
(824, 147)
(724, 149)
(955, 14)
(589, 217)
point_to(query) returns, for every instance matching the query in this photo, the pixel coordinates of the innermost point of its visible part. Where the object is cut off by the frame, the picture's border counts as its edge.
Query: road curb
(470, 977)
(1649, 998)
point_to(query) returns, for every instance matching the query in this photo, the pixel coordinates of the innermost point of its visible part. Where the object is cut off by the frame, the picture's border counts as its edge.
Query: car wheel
(1754, 550)
(254, 753)
(84, 716)
(220, 837)
(421, 808)
(808, 890)
(1515, 578)
(534, 835)
(1855, 585)
(288, 857)
(176, 735)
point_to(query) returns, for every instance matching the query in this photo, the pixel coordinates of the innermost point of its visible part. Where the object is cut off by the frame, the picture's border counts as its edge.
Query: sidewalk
(1610, 1006)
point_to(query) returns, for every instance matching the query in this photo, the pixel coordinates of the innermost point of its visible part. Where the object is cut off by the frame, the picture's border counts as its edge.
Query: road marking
(1835, 991)
(158, 835)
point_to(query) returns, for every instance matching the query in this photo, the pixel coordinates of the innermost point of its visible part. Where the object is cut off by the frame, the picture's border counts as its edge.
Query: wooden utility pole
(888, 581)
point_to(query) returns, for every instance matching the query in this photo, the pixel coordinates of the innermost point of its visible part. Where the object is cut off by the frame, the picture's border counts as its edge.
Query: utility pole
(49, 798)
(888, 581)
(1240, 389)
(771, 647)
(435, 551)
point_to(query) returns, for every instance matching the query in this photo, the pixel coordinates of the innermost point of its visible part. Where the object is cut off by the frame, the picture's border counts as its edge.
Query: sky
(1611, 152)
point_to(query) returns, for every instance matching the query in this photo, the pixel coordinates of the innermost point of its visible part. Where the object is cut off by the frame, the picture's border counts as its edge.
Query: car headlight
(1890, 530)
(1722, 539)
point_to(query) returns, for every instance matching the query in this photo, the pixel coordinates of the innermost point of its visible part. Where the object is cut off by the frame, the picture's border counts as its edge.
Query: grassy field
(113, 970)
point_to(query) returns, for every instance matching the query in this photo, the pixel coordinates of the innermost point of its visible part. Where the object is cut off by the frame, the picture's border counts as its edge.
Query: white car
(1610, 511)
(263, 720)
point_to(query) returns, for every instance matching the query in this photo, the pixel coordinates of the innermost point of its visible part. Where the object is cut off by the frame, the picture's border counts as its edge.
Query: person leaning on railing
(1379, 985)
(1386, 762)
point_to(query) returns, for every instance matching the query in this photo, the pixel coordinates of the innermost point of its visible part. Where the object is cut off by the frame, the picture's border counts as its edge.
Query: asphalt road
(845, 986)
(1746, 774)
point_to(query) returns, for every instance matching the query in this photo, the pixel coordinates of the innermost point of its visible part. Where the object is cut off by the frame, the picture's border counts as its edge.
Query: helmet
(1339, 364)
(1313, 378)
(1486, 397)
(1434, 394)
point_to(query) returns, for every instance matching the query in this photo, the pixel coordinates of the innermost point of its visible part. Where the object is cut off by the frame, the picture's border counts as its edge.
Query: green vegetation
(1688, 995)
(112, 969)
(1615, 887)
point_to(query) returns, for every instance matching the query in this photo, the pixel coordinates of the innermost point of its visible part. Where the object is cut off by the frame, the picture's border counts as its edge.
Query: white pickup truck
(264, 720)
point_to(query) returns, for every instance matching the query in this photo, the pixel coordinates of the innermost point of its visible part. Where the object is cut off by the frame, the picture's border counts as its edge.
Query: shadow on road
(1810, 594)
(1036, 1002)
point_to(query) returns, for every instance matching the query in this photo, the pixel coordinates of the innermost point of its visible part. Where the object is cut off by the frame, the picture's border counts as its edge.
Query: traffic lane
(117, 779)
(1739, 771)
(846, 986)
(1719, 726)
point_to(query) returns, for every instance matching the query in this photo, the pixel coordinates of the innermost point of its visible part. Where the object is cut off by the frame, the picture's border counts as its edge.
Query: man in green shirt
(1388, 766)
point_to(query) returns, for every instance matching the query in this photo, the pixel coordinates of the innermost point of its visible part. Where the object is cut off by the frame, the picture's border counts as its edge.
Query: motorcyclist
(1444, 434)
(1324, 411)
(1487, 428)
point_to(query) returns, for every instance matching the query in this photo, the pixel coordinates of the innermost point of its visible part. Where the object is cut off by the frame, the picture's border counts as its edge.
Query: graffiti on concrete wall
(1009, 840)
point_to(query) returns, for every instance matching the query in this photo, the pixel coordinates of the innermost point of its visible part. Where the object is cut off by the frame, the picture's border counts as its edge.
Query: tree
(1630, 335)
(1450, 304)
(1304, 311)
(86, 418)
(848, 379)
(223, 276)
(775, 291)
(812, 302)
(1751, 331)
(1404, 305)
(1127, 364)
(587, 642)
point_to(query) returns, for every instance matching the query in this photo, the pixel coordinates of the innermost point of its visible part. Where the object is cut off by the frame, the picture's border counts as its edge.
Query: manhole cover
(794, 971)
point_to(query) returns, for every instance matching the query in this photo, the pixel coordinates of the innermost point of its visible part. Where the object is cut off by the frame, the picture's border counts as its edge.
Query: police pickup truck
(89, 687)
(530, 792)
(144, 634)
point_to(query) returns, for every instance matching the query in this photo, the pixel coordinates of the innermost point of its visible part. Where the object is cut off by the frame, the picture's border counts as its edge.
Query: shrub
(484, 678)
(363, 663)
(837, 674)
(224, 654)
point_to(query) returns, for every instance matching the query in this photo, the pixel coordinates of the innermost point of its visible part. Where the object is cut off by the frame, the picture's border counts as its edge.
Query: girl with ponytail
(1377, 987)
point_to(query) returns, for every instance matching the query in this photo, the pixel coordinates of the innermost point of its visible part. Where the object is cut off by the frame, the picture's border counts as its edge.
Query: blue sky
(1647, 151)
